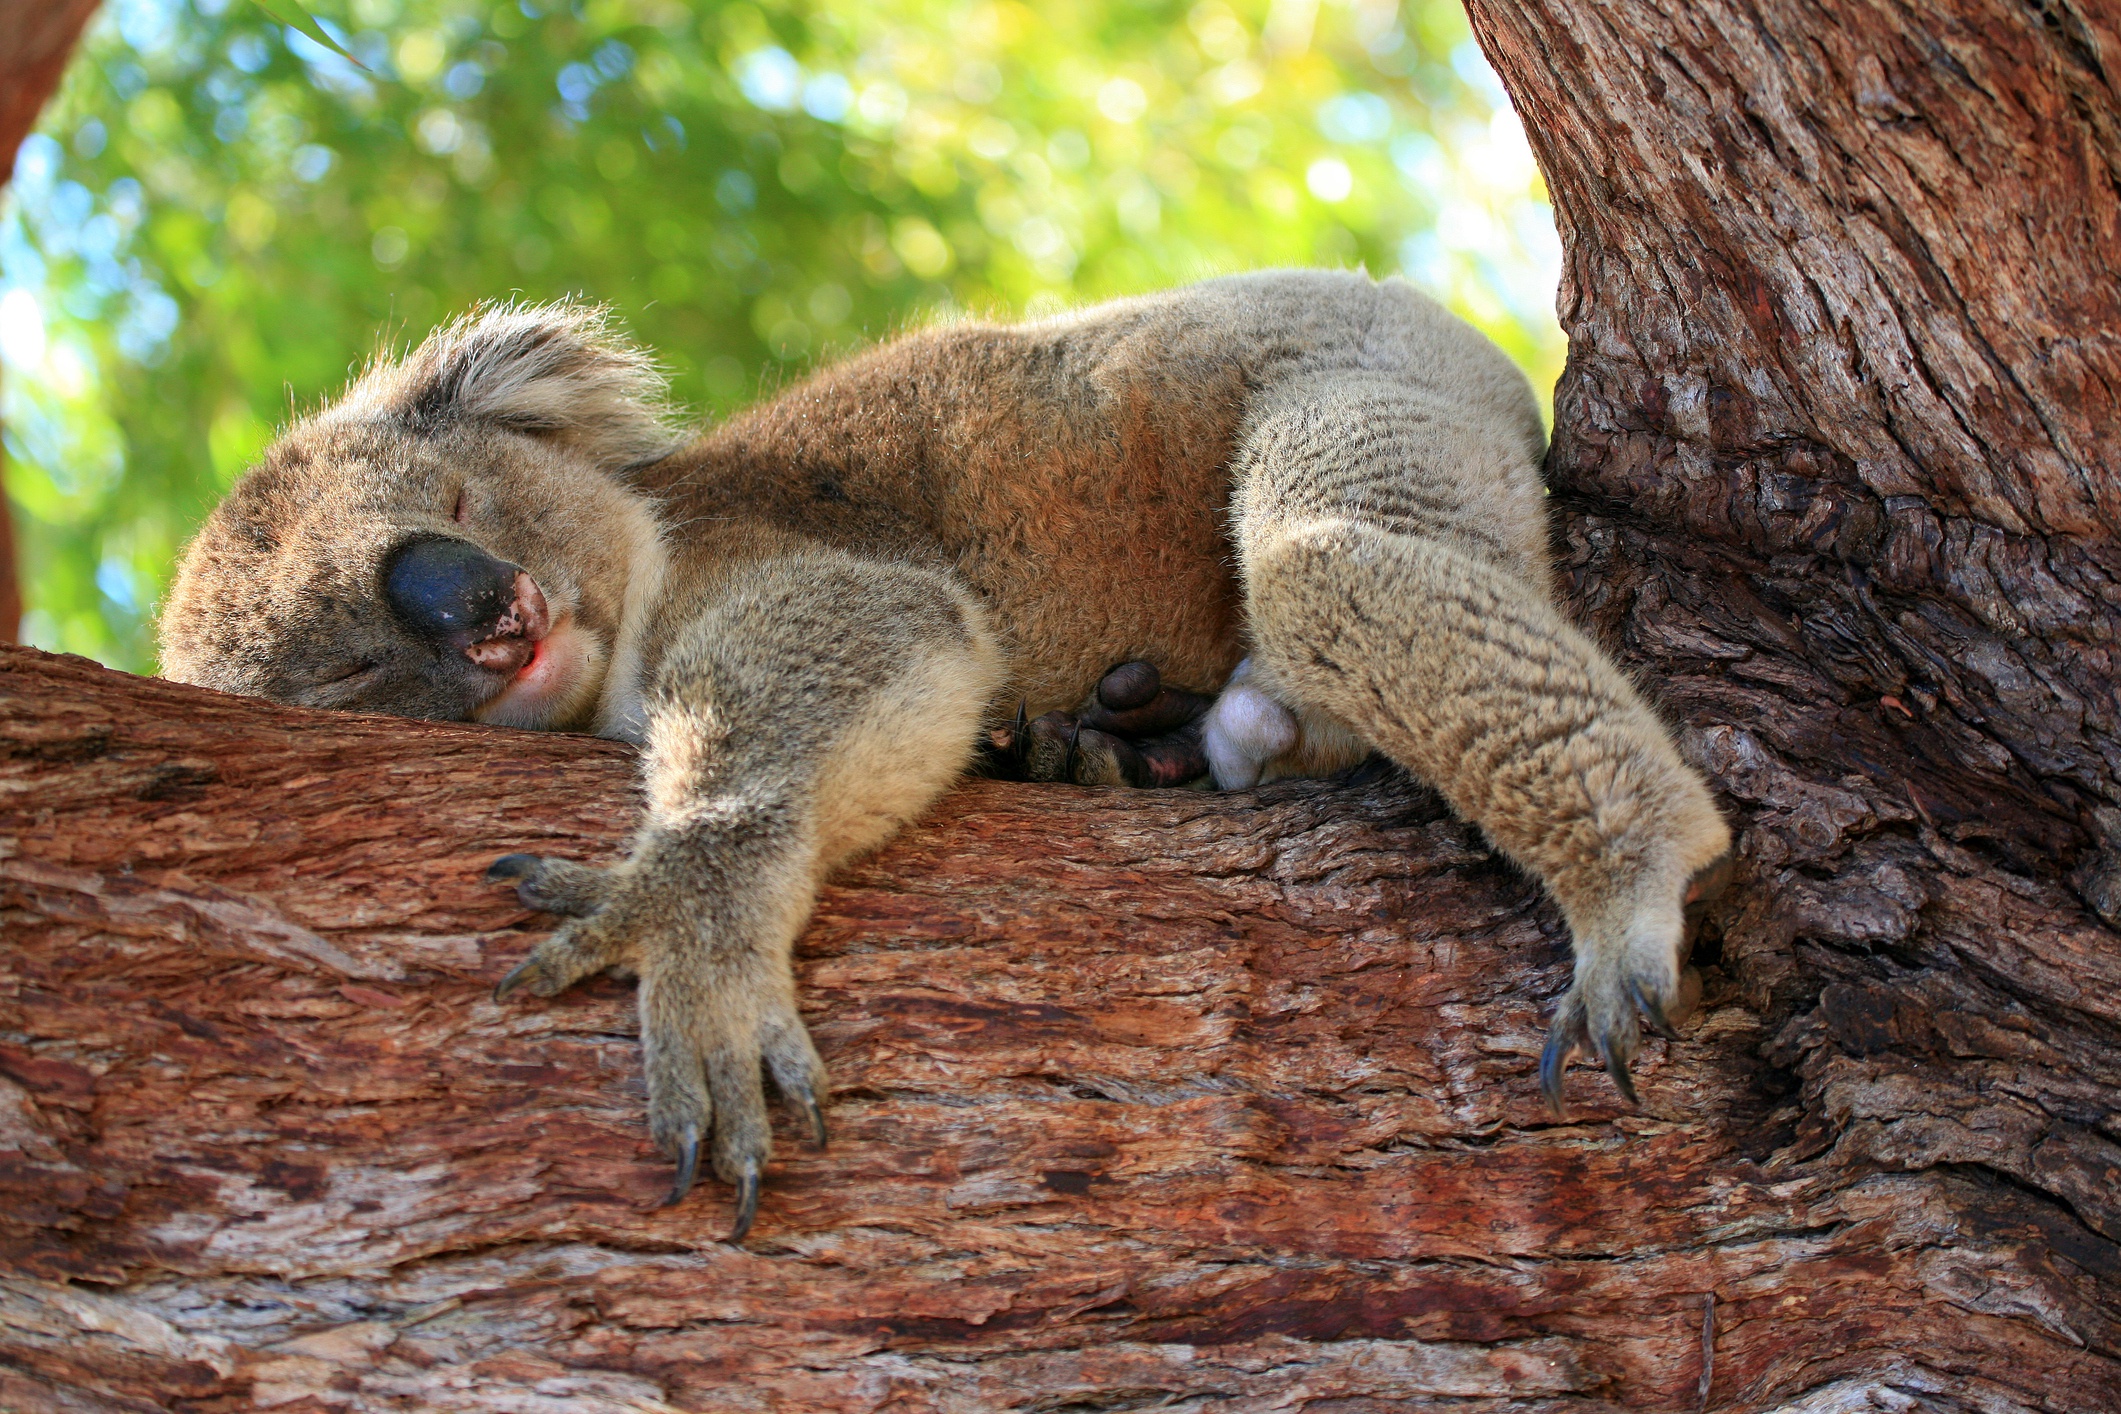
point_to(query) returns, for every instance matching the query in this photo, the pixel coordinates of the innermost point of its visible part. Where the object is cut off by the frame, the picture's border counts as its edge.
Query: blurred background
(218, 218)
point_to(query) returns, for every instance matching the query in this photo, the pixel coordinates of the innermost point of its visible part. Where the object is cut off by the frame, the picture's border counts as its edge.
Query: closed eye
(458, 514)
(348, 674)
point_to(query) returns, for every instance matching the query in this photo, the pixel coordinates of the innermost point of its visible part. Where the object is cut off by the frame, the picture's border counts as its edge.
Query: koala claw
(688, 1166)
(1602, 1020)
(518, 976)
(1615, 1053)
(803, 1096)
(553, 885)
(747, 1201)
(1598, 1019)
(511, 866)
(1005, 752)
(1605, 1007)
(1653, 1010)
(1564, 1039)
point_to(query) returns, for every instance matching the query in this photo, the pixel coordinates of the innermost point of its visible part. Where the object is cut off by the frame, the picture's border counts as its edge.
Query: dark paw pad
(1133, 731)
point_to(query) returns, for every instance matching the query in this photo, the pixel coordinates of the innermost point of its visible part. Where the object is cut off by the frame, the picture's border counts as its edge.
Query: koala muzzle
(462, 599)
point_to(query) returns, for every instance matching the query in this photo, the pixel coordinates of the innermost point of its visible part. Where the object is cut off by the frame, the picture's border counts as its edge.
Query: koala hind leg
(1389, 588)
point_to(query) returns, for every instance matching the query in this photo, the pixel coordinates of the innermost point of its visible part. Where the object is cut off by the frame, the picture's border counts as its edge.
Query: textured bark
(1178, 1100)
(36, 36)
(1837, 451)
(1226, 1099)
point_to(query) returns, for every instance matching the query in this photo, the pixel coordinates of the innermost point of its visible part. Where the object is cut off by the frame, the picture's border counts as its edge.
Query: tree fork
(1836, 457)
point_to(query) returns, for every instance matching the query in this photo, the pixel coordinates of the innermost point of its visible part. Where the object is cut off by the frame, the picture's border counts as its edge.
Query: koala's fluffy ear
(554, 370)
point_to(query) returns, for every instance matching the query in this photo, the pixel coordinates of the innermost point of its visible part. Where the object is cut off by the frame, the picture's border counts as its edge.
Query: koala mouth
(511, 641)
(549, 660)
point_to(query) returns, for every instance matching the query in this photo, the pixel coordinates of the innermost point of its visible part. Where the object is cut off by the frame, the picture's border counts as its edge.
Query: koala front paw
(714, 1020)
(710, 1033)
(553, 885)
(575, 891)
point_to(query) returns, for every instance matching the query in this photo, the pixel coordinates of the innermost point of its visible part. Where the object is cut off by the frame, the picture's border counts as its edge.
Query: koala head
(452, 539)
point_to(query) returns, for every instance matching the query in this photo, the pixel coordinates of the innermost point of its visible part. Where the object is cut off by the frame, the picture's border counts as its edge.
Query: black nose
(447, 590)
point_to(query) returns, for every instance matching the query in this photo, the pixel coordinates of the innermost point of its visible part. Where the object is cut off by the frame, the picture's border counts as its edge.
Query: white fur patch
(1245, 729)
(622, 712)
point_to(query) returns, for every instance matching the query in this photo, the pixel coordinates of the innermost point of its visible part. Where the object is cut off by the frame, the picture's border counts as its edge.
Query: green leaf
(288, 13)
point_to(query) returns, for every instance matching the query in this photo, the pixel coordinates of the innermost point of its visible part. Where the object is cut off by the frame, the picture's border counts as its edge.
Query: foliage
(218, 214)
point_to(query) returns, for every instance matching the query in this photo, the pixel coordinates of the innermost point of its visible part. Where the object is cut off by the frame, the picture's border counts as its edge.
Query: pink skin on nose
(515, 635)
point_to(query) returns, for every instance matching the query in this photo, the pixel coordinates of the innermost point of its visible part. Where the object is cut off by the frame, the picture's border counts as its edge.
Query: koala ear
(554, 370)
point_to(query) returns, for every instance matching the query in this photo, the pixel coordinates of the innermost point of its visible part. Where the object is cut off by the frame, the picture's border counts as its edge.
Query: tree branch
(1217, 1097)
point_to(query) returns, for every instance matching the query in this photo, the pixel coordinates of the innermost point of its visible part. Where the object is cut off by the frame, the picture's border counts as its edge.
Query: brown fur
(808, 613)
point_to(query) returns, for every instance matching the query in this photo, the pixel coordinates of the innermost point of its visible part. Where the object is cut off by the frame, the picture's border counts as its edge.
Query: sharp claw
(1075, 737)
(1006, 751)
(1618, 1070)
(517, 977)
(1654, 1010)
(800, 1094)
(510, 866)
(688, 1166)
(1553, 1063)
(747, 1200)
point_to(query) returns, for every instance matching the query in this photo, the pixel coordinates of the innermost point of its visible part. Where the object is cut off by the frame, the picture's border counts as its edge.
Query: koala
(1302, 510)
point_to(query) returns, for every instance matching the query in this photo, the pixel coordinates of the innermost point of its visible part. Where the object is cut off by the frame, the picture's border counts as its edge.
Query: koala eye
(348, 674)
(459, 515)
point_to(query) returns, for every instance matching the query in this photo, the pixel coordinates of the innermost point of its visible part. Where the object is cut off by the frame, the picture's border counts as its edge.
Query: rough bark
(1837, 453)
(36, 36)
(1222, 1098)
(1177, 1100)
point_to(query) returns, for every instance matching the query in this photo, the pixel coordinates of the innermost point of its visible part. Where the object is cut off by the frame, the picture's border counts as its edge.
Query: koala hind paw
(1622, 986)
(1132, 731)
(1596, 1016)
(1599, 1021)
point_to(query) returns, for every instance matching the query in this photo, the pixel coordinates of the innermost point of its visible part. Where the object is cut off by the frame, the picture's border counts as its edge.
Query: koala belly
(1111, 577)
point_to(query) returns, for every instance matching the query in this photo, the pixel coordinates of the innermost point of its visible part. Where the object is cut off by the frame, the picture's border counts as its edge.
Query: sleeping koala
(1315, 493)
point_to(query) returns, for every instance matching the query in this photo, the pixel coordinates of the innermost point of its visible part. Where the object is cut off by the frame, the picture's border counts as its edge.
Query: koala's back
(1076, 471)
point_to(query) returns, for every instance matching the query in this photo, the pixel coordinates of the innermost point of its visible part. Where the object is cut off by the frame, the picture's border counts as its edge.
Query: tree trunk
(1227, 1102)
(36, 36)
(1837, 453)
